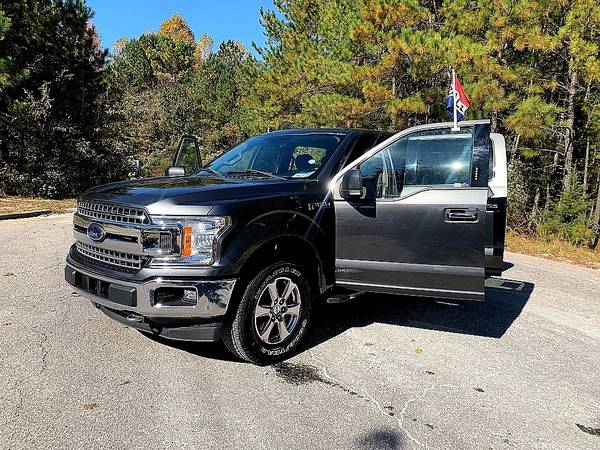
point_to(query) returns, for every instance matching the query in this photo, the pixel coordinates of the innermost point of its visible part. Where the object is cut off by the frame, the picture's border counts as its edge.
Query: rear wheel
(272, 316)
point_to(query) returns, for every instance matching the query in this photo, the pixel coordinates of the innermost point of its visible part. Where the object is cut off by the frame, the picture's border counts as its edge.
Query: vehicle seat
(372, 172)
(305, 163)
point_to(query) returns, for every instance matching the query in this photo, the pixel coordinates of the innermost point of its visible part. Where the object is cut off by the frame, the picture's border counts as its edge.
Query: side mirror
(188, 153)
(175, 171)
(134, 168)
(352, 185)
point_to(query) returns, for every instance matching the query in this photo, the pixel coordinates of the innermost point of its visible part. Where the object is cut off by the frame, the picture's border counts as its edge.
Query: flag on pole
(457, 102)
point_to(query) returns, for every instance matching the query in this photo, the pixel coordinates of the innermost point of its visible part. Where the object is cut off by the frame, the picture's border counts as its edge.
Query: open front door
(188, 154)
(416, 223)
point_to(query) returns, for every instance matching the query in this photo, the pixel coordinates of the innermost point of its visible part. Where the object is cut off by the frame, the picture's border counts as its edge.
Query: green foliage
(141, 63)
(4, 26)
(56, 136)
(567, 218)
(534, 118)
(167, 88)
(219, 89)
(531, 66)
(518, 196)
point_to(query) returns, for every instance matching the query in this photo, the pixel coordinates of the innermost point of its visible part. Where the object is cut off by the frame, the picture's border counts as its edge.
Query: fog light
(173, 297)
(190, 296)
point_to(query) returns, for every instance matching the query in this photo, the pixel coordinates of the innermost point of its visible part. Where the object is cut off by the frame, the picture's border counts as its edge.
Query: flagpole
(455, 127)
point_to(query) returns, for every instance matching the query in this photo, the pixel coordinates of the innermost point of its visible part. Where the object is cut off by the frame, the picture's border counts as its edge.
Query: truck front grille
(110, 257)
(115, 213)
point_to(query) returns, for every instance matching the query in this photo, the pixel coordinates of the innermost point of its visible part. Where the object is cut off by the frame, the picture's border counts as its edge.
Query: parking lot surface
(521, 370)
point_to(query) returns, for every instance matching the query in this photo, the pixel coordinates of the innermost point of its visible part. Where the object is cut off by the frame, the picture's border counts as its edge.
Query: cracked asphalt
(519, 371)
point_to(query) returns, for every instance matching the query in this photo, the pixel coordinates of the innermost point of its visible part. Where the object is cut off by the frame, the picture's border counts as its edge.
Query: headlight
(199, 239)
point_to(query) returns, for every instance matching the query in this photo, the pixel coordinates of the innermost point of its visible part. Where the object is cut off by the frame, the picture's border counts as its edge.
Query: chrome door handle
(461, 215)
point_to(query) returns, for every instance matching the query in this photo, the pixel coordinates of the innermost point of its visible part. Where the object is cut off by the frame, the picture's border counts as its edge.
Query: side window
(439, 158)
(187, 156)
(429, 158)
(362, 144)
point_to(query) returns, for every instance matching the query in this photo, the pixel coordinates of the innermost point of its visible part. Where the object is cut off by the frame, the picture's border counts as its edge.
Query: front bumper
(201, 332)
(137, 298)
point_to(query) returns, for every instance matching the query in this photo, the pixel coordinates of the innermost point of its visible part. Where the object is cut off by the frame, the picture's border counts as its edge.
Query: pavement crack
(403, 413)
(44, 349)
(44, 336)
(385, 411)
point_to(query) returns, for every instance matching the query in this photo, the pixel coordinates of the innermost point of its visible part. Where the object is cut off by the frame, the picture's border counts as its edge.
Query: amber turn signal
(186, 242)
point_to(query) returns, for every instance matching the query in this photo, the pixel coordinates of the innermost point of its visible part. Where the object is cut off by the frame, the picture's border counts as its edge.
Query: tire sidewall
(251, 297)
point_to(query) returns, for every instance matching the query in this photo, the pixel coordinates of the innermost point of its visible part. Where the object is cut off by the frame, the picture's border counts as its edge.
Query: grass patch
(23, 204)
(553, 249)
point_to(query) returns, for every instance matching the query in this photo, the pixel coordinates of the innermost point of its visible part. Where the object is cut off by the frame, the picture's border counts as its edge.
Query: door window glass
(362, 144)
(428, 158)
(383, 173)
(187, 156)
(439, 159)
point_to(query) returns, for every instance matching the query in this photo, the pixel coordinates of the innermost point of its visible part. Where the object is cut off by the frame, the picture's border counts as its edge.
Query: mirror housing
(175, 171)
(185, 138)
(352, 185)
(134, 168)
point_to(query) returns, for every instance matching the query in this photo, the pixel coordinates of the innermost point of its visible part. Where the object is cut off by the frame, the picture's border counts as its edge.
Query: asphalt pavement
(521, 370)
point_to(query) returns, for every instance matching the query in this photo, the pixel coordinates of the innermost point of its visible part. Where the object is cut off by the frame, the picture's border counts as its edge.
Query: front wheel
(272, 316)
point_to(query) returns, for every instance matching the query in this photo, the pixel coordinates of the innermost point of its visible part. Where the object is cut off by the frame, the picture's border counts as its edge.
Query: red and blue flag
(457, 94)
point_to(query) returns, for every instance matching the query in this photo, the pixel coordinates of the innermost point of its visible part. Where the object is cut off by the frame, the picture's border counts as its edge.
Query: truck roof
(337, 131)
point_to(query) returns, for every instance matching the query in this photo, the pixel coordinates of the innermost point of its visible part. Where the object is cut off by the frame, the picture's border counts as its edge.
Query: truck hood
(191, 195)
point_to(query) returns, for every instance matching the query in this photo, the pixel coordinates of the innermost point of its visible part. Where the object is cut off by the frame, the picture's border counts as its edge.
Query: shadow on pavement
(381, 439)
(504, 302)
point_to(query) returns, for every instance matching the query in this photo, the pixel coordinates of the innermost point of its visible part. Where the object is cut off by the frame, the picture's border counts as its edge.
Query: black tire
(241, 332)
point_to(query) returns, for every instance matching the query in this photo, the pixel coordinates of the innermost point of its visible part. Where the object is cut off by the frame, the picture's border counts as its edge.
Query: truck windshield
(281, 155)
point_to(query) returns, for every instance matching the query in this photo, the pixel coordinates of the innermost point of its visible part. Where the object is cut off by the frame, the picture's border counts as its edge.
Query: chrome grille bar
(115, 213)
(112, 257)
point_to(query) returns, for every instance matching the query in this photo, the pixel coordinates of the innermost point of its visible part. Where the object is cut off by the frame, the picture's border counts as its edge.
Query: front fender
(274, 225)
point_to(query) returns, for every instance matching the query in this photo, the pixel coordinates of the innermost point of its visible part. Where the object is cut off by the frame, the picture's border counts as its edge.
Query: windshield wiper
(211, 170)
(257, 172)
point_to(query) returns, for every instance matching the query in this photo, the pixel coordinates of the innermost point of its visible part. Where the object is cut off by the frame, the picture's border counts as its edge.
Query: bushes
(567, 219)
(57, 124)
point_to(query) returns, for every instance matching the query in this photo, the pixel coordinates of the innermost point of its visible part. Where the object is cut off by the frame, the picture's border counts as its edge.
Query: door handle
(461, 215)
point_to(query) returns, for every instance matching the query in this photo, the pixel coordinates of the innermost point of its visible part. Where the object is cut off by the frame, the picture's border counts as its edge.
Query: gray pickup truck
(241, 248)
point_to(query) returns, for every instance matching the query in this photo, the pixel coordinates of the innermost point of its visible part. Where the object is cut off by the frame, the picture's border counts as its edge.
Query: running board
(343, 298)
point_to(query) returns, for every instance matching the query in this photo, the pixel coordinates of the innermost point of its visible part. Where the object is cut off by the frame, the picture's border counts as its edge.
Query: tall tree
(308, 76)
(55, 114)
(220, 90)
(177, 29)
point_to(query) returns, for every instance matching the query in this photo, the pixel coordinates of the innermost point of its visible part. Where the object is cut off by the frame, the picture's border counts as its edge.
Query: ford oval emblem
(96, 233)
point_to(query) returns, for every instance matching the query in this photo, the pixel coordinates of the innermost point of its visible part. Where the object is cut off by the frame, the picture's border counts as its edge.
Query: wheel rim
(277, 312)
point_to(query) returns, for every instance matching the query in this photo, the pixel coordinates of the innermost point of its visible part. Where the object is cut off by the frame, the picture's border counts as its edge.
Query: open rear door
(418, 226)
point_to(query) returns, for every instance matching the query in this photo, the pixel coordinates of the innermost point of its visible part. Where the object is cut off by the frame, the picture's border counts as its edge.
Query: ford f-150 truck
(240, 249)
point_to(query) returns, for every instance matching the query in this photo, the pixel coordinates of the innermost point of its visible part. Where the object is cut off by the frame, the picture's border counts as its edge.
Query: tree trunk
(494, 121)
(587, 144)
(570, 127)
(596, 216)
(512, 154)
(549, 181)
(586, 166)
(513, 151)
(536, 207)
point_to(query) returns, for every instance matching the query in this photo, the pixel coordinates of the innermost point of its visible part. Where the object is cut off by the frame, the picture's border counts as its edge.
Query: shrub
(567, 218)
